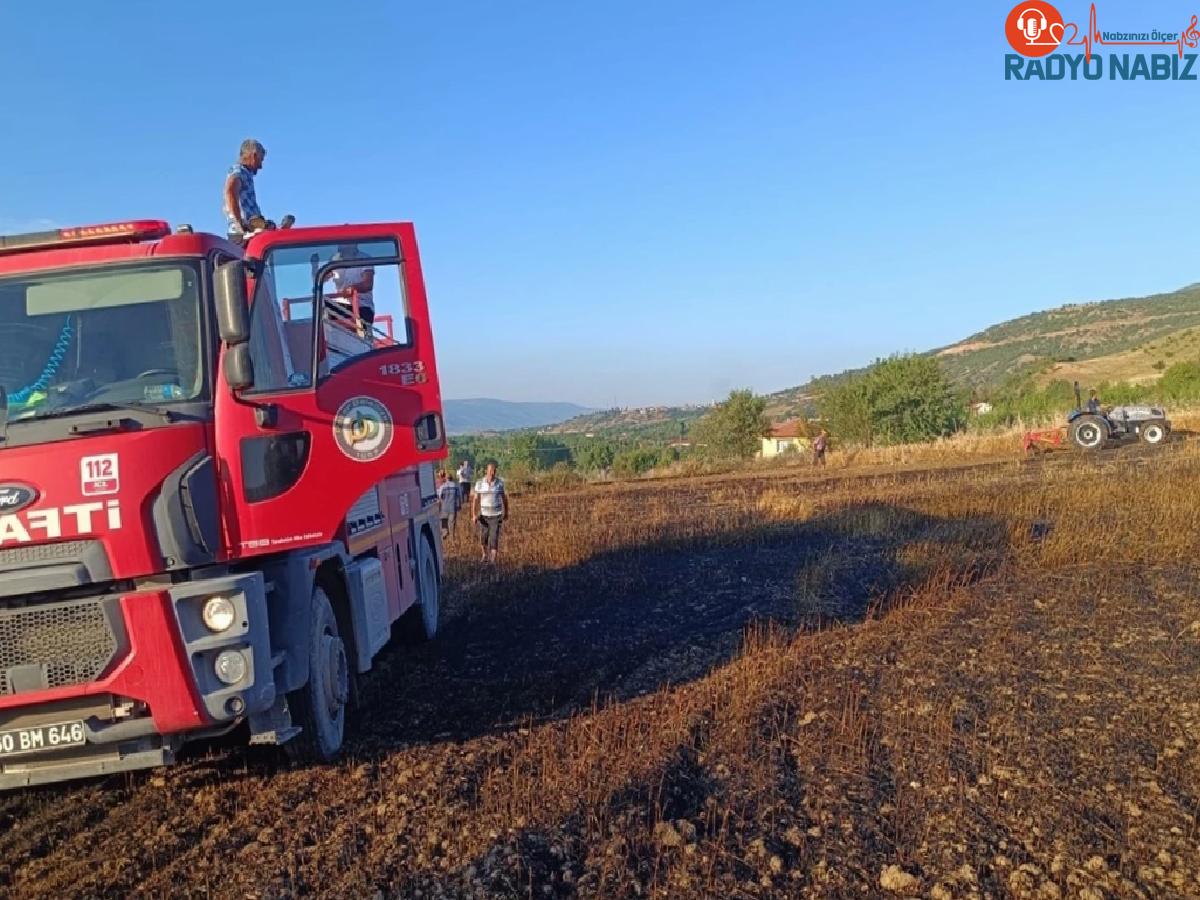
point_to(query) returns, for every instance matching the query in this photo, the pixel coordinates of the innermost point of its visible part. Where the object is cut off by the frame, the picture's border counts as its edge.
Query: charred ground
(947, 682)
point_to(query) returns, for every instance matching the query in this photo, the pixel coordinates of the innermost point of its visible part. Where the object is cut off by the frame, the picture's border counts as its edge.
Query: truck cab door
(336, 406)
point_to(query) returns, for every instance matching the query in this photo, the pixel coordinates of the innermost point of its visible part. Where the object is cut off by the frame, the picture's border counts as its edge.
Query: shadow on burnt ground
(527, 644)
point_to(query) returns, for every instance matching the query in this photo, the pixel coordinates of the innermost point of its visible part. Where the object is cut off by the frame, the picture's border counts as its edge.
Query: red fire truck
(216, 487)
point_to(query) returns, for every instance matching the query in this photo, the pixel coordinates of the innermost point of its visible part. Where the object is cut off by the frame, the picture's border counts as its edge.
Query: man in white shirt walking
(489, 506)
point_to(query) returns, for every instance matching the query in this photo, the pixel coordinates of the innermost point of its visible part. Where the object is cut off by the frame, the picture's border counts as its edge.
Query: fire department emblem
(363, 428)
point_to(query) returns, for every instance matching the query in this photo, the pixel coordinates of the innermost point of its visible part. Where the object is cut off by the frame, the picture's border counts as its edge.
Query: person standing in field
(464, 480)
(820, 443)
(448, 501)
(489, 506)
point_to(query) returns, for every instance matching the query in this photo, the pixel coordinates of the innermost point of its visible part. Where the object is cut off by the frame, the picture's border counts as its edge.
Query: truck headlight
(218, 614)
(230, 666)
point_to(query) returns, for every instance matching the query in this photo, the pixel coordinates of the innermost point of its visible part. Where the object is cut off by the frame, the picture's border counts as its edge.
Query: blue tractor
(1093, 427)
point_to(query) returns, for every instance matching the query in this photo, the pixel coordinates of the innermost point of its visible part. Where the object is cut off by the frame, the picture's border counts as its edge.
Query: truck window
(281, 332)
(127, 334)
(280, 347)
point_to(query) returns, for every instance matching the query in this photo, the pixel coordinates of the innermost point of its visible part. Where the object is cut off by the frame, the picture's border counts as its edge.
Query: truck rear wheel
(424, 618)
(1089, 433)
(319, 708)
(1153, 433)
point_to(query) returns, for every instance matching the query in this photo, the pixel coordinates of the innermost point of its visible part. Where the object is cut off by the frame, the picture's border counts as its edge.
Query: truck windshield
(127, 335)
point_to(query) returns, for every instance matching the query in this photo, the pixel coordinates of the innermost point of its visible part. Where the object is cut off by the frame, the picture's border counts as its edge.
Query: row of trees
(527, 451)
(1022, 399)
(898, 400)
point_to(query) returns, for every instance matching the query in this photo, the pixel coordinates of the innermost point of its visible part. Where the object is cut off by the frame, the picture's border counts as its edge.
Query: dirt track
(1066, 704)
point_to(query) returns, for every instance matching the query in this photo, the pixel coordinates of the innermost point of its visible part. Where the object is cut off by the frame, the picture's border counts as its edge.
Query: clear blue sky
(628, 203)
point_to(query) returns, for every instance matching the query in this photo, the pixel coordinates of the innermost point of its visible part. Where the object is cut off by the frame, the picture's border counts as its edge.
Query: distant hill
(1129, 339)
(644, 421)
(1107, 330)
(482, 414)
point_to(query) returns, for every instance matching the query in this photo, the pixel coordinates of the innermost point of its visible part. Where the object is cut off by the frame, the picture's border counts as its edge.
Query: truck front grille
(70, 642)
(32, 554)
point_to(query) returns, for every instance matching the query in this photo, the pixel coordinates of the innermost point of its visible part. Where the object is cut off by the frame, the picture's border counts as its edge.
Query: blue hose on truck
(48, 371)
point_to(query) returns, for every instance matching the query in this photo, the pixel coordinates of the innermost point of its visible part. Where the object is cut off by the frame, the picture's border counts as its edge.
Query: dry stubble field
(938, 682)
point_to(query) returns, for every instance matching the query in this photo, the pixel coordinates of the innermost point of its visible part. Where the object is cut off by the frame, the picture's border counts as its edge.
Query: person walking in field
(448, 501)
(464, 480)
(489, 506)
(820, 443)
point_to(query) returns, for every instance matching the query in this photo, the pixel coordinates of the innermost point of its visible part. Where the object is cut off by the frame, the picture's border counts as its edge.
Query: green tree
(536, 452)
(595, 455)
(635, 462)
(902, 399)
(1180, 383)
(735, 428)
(846, 406)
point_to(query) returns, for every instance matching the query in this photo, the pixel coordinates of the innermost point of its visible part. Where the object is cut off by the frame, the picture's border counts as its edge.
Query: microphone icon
(1032, 23)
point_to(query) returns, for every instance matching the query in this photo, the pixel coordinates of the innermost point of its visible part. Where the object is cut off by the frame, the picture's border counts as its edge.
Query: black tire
(423, 619)
(1089, 433)
(1153, 433)
(319, 708)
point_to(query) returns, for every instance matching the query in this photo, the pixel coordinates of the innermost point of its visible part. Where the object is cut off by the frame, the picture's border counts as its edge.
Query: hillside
(482, 414)
(660, 421)
(1129, 339)
(1109, 330)
(1141, 365)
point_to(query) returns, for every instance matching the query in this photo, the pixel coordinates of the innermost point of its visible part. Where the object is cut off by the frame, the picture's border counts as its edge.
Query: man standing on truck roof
(489, 506)
(354, 278)
(241, 204)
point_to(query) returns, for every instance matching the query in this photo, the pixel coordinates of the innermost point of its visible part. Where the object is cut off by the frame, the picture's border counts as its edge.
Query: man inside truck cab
(354, 278)
(242, 214)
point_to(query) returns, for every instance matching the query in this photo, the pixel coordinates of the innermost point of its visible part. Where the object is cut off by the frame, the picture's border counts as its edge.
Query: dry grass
(968, 680)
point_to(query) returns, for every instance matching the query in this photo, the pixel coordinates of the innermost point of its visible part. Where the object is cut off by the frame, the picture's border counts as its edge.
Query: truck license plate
(41, 737)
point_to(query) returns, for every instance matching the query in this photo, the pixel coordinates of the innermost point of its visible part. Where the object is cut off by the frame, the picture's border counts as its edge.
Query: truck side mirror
(239, 368)
(233, 318)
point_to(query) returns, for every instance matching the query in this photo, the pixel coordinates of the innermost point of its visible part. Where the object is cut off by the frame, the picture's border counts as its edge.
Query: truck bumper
(157, 687)
(36, 773)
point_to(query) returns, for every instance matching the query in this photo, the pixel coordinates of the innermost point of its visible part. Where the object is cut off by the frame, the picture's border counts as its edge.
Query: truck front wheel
(319, 708)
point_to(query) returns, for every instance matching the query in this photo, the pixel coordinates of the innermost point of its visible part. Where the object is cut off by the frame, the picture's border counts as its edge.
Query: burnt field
(947, 682)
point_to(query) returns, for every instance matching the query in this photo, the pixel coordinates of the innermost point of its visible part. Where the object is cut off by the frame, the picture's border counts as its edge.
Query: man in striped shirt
(489, 506)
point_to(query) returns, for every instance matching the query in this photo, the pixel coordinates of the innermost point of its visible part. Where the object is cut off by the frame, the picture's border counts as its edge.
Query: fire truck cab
(216, 488)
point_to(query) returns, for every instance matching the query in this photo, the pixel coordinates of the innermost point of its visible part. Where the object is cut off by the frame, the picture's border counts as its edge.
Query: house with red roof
(785, 437)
